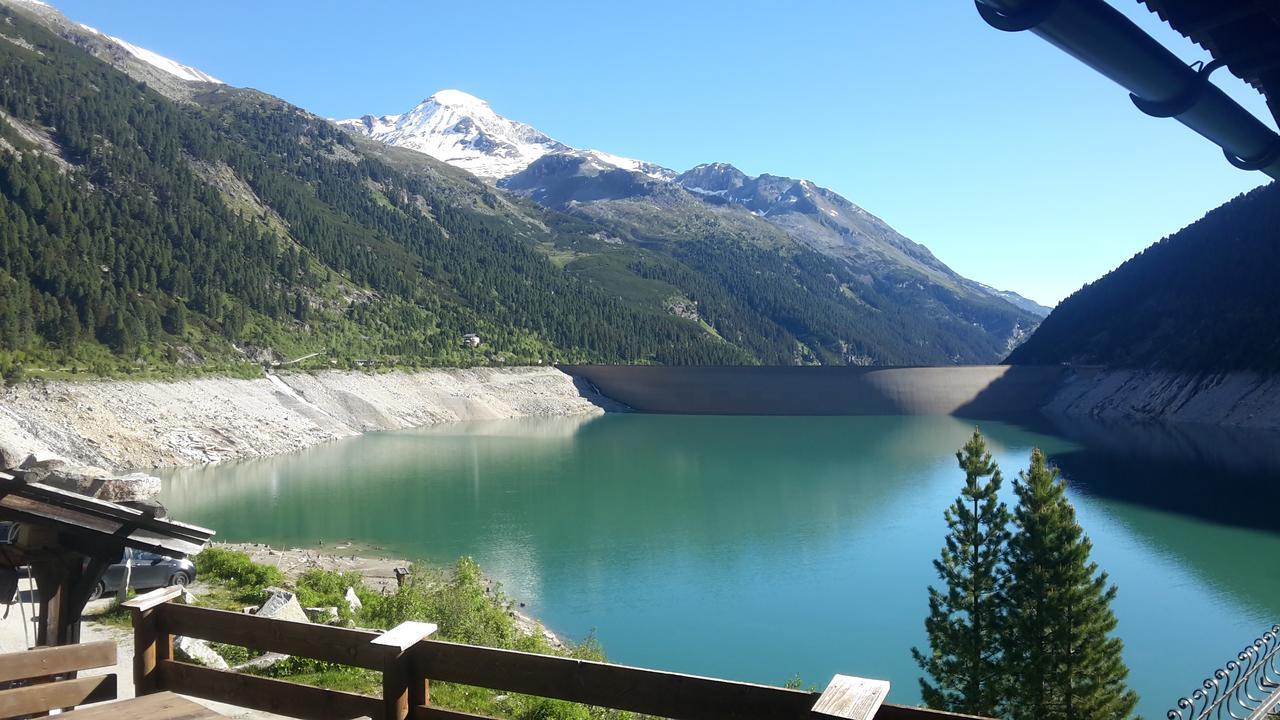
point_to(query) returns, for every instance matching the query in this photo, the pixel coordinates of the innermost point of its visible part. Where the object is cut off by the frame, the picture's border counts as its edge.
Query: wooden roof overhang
(68, 540)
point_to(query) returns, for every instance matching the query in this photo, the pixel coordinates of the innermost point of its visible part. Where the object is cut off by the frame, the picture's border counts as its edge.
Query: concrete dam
(977, 391)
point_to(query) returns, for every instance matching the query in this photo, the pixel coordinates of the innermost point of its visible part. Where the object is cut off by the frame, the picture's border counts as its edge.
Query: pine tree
(965, 620)
(1063, 661)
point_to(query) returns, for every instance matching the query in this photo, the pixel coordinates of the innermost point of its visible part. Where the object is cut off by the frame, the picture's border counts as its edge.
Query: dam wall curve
(978, 391)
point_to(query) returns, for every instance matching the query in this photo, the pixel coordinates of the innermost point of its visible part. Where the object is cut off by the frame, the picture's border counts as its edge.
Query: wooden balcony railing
(407, 660)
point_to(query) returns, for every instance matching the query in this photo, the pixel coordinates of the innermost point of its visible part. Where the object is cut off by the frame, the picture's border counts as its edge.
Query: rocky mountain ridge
(464, 131)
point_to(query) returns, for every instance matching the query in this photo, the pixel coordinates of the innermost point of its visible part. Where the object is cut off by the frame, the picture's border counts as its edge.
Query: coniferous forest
(142, 234)
(1204, 298)
(139, 232)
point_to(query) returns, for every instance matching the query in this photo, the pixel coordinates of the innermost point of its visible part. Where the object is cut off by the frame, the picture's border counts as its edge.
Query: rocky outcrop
(137, 489)
(144, 424)
(283, 605)
(1234, 399)
(194, 650)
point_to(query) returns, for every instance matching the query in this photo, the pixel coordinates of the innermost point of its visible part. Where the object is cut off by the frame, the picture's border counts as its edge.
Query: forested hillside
(848, 306)
(138, 232)
(1204, 298)
(153, 224)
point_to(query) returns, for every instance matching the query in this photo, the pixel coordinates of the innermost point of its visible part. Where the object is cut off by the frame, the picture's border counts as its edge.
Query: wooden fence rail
(408, 660)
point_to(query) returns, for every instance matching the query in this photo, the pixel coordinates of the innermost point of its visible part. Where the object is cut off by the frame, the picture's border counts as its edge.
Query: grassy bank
(457, 600)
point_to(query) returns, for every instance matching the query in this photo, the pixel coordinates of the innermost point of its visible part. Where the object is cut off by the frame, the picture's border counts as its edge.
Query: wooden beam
(156, 597)
(400, 688)
(404, 635)
(320, 642)
(46, 661)
(650, 692)
(52, 587)
(852, 698)
(40, 698)
(259, 693)
(75, 512)
(152, 644)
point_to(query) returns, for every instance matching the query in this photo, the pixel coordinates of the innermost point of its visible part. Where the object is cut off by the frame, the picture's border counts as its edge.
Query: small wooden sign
(851, 697)
(405, 634)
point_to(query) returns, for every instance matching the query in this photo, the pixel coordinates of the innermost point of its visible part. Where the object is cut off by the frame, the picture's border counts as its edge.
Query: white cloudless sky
(1018, 166)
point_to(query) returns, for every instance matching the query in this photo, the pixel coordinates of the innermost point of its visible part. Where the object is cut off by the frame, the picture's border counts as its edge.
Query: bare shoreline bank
(1240, 399)
(141, 425)
(122, 424)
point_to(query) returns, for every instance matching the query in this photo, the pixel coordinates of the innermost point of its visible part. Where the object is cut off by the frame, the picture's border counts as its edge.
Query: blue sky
(1015, 164)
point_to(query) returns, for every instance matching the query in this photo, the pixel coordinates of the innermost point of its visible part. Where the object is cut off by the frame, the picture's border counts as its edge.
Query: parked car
(150, 570)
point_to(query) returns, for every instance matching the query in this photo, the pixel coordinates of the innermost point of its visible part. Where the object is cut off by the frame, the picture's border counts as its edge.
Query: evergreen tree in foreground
(1062, 660)
(965, 620)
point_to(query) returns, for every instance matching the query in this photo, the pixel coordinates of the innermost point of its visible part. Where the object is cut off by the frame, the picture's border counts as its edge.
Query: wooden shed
(69, 540)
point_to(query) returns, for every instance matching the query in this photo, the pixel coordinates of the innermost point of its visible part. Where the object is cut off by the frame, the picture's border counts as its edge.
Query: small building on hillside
(471, 340)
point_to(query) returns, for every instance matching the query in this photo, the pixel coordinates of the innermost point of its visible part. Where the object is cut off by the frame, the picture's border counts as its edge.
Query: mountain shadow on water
(1227, 476)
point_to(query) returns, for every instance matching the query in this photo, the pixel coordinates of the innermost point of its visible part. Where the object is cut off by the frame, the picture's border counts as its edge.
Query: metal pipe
(1101, 37)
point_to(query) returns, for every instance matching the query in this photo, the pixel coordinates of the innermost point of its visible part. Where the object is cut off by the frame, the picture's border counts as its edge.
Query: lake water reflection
(758, 548)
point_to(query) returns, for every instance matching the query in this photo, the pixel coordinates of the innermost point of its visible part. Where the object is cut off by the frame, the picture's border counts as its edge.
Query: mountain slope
(894, 301)
(139, 233)
(866, 301)
(211, 226)
(497, 148)
(1204, 298)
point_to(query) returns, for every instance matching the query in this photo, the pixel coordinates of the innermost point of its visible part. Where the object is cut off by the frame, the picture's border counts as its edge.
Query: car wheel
(98, 590)
(180, 579)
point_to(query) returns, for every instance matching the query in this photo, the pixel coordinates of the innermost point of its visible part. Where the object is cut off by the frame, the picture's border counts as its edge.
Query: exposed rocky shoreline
(1227, 400)
(98, 428)
(129, 425)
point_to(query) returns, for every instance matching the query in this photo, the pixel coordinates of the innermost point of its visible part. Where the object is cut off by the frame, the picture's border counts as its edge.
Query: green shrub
(234, 654)
(459, 602)
(327, 588)
(248, 578)
(459, 605)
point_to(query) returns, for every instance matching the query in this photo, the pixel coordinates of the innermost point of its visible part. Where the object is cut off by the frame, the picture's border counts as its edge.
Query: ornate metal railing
(1247, 688)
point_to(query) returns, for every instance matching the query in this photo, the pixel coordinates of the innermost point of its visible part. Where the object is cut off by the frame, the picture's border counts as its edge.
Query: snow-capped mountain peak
(459, 99)
(462, 130)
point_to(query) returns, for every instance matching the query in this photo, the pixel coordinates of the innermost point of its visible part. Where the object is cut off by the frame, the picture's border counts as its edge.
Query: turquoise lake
(760, 548)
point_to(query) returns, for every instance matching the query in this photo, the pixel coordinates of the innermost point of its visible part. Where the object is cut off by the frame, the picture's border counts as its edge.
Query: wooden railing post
(152, 643)
(402, 685)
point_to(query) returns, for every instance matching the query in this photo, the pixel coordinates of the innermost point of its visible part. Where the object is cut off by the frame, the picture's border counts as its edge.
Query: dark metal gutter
(1101, 37)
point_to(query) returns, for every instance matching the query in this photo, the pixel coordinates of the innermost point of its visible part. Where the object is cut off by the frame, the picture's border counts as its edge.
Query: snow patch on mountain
(656, 172)
(156, 60)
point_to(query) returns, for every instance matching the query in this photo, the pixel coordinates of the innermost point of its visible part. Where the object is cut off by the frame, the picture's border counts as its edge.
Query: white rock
(283, 605)
(353, 600)
(198, 651)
